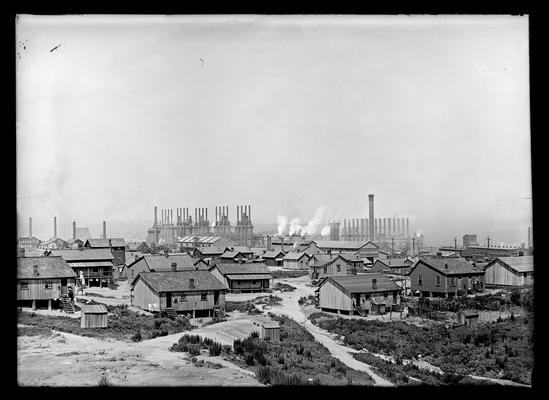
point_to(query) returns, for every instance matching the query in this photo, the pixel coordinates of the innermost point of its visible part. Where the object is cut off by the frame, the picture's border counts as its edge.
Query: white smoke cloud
(295, 226)
(325, 231)
(282, 222)
(419, 233)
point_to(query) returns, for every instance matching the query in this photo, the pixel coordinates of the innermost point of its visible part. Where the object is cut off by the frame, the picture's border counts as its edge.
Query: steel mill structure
(167, 231)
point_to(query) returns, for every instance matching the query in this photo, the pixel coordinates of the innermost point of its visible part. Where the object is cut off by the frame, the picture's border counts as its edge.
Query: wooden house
(93, 316)
(197, 293)
(322, 265)
(367, 293)
(445, 277)
(274, 258)
(355, 262)
(93, 267)
(117, 247)
(510, 271)
(55, 243)
(28, 243)
(294, 260)
(270, 331)
(394, 266)
(467, 317)
(41, 279)
(312, 249)
(248, 277)
(237, 255)
(209, 254)
(75, 244)
(164, 262)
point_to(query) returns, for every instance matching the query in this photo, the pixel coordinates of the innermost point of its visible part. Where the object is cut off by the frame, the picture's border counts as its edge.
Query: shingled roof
(363, 283)
(48, 267)
(449, 266)
(211, 250)
(104, 243)
(395, 262)
(342, 244)
(320, 260)
(273, 254)
(248, 268)
(83, 254)
(179, 281)
(294, 256)
(163, 263)
(519, 264)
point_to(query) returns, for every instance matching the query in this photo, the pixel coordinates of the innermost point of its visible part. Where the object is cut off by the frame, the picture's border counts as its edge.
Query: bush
(254, 334)
(249, 360)
(194, 350)
(215, 349)
(103, 381)
(136, 337)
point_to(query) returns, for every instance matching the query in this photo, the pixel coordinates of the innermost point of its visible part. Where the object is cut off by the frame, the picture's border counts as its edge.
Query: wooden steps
(67, 305)
(170, 313)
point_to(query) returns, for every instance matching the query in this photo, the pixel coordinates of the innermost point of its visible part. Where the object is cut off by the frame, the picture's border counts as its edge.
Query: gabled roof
(205, 239)
(243, 249)
(249, 268)
(519, 264)
(351, 257)
(179, 281)
(83, 254)
(93, 308)
(273, 254)
(48, 267)
(362, 283)
(104, 243)
(320, 260)
(211, 250)
(232, 254)
(455, 266)
(395, 262)
(343, 244)
(162, 263)
(294, 256)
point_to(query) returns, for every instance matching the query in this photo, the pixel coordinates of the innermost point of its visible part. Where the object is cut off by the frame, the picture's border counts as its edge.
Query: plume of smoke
(419, 233)
(282, 222)
(325, 231)
(312, 226)
(295, 226)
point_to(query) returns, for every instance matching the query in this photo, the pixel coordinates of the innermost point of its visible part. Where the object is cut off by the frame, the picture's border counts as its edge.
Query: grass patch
(123, 324)
(280, 274)
(502, 349)
(192, 344)
(297, 359)
(284, 287)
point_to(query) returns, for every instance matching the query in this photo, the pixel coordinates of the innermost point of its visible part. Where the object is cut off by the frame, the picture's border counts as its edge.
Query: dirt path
(63, 359)
(292, 309)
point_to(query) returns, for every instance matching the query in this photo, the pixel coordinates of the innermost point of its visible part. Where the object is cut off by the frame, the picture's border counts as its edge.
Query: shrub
(103, 381)
(254, 334)
(249, 360)
(215, 349)
(194, 349)
(136, 337)
(264, 375)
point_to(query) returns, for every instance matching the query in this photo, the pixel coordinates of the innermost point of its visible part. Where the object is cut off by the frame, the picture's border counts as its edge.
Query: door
(216, 298)
(168, 300)
(63, 286)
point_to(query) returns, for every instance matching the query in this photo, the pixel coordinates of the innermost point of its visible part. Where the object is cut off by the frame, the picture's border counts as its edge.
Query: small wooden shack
(93, 316)
(270, 330)
(468, 317)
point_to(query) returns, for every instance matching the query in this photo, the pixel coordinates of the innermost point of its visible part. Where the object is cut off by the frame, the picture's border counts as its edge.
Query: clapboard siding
(189, 301)
(143, 295)
(330, 296)
(94, 320)
(37, 289)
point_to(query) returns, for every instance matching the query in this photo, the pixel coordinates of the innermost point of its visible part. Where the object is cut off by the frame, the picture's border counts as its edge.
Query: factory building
(167, 231)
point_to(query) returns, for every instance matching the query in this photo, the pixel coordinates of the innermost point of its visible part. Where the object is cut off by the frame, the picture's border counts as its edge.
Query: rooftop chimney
(371, 216)
(73, 230)
(166, 253)
(155, 224)
(35, 270)
(174, 266)
(30, 231)
(110, 243)
(191, 283)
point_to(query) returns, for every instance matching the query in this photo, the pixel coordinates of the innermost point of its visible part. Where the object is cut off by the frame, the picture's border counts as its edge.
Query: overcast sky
(287, 114)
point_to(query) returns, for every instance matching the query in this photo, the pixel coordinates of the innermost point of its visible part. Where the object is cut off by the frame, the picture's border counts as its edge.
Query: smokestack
(195, 214)
(206, 214)
(174, 267)
(385, 226)
(73, 230)
(402, 227)
(55, 227)
(353, 229)
(407, 227)
(250, 214)
(269, 243)
(529, 238)
(371, 215)
(216, 214)
(155, 215)
(30, 231)
(104, 230)
(237, 215)
(394, 227)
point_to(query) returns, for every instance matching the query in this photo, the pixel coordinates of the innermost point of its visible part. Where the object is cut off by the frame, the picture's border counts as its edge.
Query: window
(385, 295)
(420, 280)
(183, 297)
(48, 285)
(374, 283)
(338, 268)
(24, 286)
(203, 296)
(453, 281)
(437, 280)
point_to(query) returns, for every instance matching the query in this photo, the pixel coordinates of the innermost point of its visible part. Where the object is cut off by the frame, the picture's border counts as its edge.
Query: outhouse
(270, 330)
(93, 316)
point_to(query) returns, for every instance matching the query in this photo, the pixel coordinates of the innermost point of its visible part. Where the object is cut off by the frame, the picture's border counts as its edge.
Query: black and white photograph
(262, 200)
